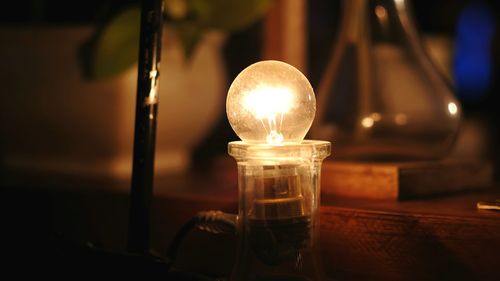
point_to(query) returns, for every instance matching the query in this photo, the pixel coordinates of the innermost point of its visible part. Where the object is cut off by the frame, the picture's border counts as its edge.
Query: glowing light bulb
(271, 102)
(271, 106)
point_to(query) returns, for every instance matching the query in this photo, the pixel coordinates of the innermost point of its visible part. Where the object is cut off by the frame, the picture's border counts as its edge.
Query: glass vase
(381, 97)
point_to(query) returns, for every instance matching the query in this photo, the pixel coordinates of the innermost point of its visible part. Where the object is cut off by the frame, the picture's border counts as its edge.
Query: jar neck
(379, 18)
(371, 22)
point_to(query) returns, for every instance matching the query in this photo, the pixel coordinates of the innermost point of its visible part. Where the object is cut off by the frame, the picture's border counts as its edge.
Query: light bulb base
(310, 150)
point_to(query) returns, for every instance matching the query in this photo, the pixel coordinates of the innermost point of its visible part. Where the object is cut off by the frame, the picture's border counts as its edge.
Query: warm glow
(269, 104)
(401, 119)
(452, 108)
(367, 122)
(152, 97)
(272, 103)
(370, 120)
(400, 4)
(380, 12)
(274, 138)
(376, 116)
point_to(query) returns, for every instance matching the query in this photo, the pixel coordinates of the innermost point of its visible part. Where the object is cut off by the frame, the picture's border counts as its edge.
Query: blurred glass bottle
(381, 97)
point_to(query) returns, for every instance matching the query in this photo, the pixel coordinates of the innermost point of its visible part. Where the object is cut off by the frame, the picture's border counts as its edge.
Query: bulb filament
(270, 103)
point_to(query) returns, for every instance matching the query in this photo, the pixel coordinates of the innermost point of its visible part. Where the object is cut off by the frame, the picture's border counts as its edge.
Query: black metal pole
(145, 126)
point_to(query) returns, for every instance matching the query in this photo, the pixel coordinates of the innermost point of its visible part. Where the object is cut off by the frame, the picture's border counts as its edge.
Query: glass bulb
(271, 102)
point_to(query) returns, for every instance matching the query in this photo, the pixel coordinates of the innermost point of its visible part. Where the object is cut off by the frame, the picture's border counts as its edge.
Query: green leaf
(229, 15)
(190, 34)
(115, 47)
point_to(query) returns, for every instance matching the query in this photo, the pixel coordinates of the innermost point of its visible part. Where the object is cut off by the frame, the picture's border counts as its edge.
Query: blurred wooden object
(285, 33)
(402, 181)
(440, 239)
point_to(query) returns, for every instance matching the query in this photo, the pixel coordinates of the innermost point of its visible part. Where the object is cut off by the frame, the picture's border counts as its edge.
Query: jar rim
(307, 149)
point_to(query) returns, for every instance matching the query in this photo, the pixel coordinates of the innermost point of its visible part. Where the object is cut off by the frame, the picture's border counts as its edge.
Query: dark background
(27, 212)
(243, 48)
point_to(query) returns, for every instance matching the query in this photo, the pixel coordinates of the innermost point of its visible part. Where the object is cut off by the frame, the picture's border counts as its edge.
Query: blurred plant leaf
(176, 9)
(189, 34)
(114, 47)
(229, 15)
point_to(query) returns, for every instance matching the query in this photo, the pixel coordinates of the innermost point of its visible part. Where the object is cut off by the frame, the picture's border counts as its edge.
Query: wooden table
(434, 239)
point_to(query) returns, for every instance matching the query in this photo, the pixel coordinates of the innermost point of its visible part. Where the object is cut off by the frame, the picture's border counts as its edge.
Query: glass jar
(381, 97)
(278, 219)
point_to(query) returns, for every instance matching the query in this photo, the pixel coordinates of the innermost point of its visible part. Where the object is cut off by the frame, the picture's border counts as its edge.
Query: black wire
(210, 221)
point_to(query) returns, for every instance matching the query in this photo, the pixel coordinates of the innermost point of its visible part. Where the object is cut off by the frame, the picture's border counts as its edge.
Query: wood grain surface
(440, 239)
(403, 181)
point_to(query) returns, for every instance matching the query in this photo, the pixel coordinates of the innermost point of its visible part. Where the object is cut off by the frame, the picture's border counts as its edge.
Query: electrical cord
(216, 222)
